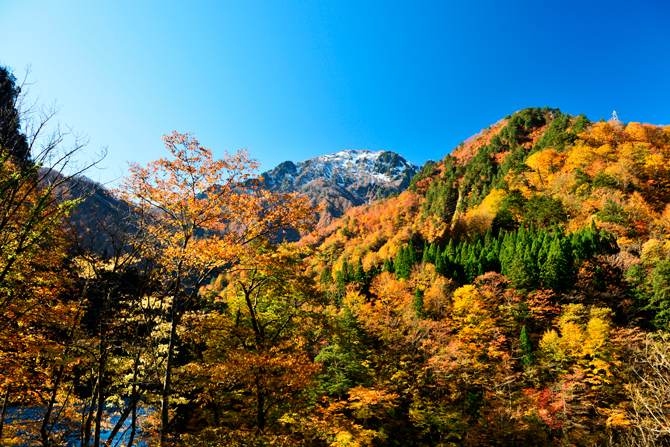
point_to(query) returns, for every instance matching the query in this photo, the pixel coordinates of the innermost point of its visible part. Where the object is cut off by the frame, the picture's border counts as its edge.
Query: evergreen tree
(418, 303)
(388, 266)
(411, 253)
(481, 263)
(478, 247)
(521, 271)
(488, 238)
(492, 262)
(530, 260)
(495, 247)
(556, 272)
(593, 230)
(399, 264)
(402, 264)
(440, 263)
(13, 142)
(659, 297)
(526, 350)
(326, 276)
(343, 277)
(507, 252)
(359, 275)
(374, 271)
(432, 253)
(463, 253)
(450, 252)
(544, 250)
(471, 268)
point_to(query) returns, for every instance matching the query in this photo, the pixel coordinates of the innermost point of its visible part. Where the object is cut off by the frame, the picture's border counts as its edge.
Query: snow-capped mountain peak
(344, 179)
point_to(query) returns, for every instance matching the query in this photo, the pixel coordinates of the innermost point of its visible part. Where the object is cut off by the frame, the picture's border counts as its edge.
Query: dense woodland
(517, 294)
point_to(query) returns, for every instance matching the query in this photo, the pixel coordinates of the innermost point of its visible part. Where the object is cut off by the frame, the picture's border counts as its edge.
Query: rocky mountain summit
(344, 179)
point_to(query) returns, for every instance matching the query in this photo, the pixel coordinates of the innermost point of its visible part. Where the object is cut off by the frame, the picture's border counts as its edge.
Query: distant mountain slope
(100, 220)
(543, 229)
(344, 179)
(537, 166)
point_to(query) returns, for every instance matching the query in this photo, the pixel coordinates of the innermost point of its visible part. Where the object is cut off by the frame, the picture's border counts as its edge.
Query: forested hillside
(517, 294)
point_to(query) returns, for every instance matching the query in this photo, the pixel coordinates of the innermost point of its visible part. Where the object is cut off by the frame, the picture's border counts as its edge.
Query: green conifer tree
(343, 276)
(399, 261)
(450, 252)
(471, 267)
(491, 263)
(530, 261)
(326, 276)
(418, 303)
(388, 266)
(411, 253)
(463, 253)
(440, 262)
(482, 263)
(556, 273)
(359, 275)
(432, 253)
(507, 252)
(659, 296)
(374, 271)
(521, 271)
(526, 349)
(544, 251)
(488, 238)
(402, 264)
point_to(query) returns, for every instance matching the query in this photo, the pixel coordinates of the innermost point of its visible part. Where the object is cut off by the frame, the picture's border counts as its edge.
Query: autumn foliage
(515, 295)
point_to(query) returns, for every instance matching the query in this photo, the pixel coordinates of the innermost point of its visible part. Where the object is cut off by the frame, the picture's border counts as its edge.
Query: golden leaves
(544, 167)
(192, 192)
(583, 340)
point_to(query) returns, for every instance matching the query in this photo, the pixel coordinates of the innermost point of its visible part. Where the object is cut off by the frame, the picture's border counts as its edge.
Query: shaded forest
(516, 294)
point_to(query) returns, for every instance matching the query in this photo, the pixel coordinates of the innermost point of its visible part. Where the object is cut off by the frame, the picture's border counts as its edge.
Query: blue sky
(292, 80)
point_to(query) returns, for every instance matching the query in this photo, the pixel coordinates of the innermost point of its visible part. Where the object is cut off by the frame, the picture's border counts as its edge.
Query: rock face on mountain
(343, 180)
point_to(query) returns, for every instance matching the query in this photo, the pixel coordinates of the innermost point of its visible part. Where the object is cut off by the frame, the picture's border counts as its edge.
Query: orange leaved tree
(202, 215)
(256, 340)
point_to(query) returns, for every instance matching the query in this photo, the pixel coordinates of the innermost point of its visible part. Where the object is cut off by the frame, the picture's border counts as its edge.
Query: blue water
(72, 439)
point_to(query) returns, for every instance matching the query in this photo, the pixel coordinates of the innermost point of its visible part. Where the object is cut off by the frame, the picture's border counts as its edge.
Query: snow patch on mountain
(345, 168)
(343, 179)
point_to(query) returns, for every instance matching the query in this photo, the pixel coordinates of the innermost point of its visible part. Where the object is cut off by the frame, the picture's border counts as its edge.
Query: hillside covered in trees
(516, 294)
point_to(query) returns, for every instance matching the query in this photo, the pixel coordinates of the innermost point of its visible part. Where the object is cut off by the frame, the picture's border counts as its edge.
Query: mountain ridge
(344, 179)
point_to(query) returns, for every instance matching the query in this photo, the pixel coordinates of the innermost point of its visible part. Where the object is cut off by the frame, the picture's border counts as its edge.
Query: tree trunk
(119, 423)
(133, 424)
(102, 367)
(167, 381)
(44, 433)
(134, 397)
(260, 407)
(215, 409)
(4, 411)
(89, 417)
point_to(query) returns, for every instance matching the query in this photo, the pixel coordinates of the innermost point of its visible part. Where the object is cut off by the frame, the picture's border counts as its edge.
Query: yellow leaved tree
(201, 216)
(254, 368)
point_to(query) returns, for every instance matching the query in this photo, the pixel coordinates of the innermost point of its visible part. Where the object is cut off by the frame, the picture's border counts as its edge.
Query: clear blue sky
(292, 80)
